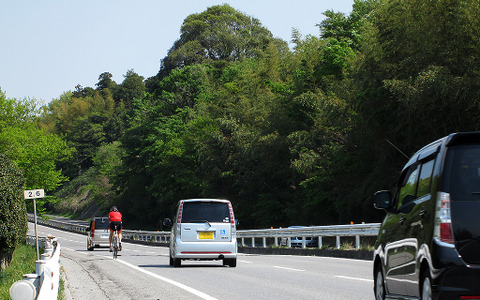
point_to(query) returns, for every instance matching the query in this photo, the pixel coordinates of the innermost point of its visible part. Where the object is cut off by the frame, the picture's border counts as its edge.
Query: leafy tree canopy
(219, 33)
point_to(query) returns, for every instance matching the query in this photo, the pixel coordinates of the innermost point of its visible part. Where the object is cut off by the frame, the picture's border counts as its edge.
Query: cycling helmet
(114, 208)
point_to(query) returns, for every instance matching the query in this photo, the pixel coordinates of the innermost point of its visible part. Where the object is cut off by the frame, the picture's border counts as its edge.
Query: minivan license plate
(205, 235)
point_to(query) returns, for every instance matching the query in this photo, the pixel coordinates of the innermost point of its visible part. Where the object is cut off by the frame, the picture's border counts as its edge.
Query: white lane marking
(70, 249)
(244, 261)
(175, 283)
(354, 278)
(290, 269)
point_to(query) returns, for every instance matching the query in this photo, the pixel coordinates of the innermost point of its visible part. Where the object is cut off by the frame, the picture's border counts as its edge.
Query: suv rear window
(200, 212)
(463, 165)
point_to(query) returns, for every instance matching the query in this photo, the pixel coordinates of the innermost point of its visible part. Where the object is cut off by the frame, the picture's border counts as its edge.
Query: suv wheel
(426, 286)
(379, 285)
(177, 262)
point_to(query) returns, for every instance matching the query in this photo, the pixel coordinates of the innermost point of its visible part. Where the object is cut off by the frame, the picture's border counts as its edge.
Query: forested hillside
(291, 135)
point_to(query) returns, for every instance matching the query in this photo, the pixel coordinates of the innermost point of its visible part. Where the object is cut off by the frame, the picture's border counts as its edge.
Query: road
(143, 272)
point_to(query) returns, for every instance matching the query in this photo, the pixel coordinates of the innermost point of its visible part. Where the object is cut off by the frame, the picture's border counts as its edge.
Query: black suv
(428, 246)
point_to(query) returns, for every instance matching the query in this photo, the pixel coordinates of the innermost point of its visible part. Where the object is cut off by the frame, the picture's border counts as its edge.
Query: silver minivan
(98, 233)
(204, 229)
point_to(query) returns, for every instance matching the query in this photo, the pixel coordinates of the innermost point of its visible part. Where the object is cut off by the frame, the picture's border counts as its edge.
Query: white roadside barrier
(283, 236)
(43, 284)
(269, 237)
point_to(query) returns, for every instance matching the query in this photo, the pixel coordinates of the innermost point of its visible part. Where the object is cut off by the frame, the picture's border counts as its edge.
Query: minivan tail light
(180, 211)
(444, 218)
(179, 218)
(232, 219)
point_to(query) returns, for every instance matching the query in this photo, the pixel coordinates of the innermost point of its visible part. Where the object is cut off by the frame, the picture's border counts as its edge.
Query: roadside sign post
(34, 194)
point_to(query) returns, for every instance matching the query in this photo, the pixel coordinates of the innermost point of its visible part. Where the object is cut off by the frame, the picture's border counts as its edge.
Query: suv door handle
(422, 213)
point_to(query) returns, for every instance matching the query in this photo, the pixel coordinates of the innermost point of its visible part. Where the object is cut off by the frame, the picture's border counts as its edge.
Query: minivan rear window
(463, 165)
(101, 223)
(199, 212)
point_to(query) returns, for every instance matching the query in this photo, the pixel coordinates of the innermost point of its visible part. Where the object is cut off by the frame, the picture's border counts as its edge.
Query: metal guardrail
(44, 283)
(248, 237)
(160, 237)
(337, 231)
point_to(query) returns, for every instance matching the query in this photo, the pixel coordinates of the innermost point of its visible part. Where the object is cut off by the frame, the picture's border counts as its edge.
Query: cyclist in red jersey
(115, 218)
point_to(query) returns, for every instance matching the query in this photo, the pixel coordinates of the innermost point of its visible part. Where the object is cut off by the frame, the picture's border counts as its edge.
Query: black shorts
(117, 224)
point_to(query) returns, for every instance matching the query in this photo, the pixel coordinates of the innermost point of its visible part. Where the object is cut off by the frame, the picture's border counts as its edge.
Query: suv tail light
(444, 219)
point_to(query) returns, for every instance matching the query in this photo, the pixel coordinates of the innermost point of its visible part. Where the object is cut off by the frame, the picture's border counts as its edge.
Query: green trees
(33, 150)
(291, 136)
(220, 33)
(13, 215)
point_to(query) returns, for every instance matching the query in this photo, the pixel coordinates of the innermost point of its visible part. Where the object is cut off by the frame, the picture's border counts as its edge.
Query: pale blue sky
(48, 47)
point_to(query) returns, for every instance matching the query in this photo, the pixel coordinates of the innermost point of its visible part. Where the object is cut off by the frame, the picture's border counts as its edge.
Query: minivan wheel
(426, 291)
(177, 262)
(232, 262)
(379, 285)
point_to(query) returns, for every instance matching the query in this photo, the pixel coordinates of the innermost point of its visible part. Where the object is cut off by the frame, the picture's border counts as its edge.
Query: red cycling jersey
(115, 216)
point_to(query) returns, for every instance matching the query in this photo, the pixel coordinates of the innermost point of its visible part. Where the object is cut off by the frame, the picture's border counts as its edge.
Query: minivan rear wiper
(200, 221)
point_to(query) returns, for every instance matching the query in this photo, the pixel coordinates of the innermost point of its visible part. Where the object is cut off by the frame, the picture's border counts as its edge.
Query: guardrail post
(276, 241)
(357, 242)
(243, 242)
(253, 242)
(304, 244)
(264, 242)
(338, 242)
(320, 242)
(289, 242)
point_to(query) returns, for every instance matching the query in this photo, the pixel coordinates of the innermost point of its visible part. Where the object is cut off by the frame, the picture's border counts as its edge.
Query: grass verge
(23, 262)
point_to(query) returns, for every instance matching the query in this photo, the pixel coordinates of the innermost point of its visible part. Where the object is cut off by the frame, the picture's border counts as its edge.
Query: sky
(48, 47)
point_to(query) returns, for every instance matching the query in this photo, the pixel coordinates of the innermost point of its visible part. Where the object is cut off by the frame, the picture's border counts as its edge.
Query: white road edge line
(173, 282)
(354, 278)
(291, 269)
(244, 261)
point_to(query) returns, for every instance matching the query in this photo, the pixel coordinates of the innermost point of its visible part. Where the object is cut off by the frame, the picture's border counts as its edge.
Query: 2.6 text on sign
(34, 194)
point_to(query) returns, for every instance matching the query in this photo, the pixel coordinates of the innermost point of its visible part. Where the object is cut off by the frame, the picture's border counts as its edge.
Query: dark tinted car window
(199, 212)
(464, 170)
(425, 178)
(408, 187)
(101, 223)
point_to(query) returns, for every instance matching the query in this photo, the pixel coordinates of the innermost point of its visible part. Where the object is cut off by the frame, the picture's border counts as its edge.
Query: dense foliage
(34, 150)
(293, 136)
(13, 214)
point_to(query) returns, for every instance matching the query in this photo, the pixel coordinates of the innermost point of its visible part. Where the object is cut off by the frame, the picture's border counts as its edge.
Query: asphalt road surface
(143, 272)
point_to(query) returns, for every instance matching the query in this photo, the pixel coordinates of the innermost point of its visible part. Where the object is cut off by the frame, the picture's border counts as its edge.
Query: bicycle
(115, 242)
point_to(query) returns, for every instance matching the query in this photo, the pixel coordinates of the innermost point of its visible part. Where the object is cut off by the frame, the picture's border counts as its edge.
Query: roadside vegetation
(292, 134)
(23, 262)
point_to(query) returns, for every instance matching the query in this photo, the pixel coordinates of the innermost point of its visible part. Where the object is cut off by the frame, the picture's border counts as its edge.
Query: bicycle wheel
(115, 245)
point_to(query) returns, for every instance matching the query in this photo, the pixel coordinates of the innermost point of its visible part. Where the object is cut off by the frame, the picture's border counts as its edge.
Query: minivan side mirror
(383, 200)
